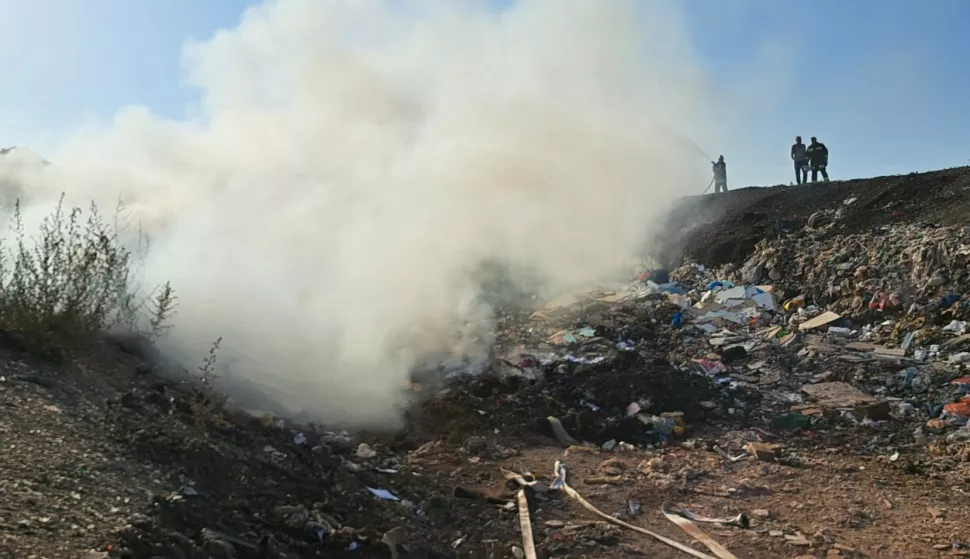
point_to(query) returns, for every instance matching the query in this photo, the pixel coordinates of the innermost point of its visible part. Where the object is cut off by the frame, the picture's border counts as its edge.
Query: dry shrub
(72, 280)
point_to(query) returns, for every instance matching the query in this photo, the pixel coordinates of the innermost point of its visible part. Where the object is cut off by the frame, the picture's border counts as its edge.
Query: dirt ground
(106, 458)
(118, 463)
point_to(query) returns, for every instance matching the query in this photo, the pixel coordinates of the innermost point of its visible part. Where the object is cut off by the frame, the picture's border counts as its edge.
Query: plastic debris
(383, 494)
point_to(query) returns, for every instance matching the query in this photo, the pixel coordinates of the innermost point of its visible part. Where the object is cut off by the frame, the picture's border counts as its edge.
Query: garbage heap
(815, 327)
(891, 269)
(875, 322)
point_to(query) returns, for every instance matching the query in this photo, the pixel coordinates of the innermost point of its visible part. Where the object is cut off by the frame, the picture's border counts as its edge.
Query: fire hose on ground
(683, 518)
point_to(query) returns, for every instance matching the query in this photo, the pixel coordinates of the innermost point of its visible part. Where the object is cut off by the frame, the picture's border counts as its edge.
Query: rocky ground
(727, 390)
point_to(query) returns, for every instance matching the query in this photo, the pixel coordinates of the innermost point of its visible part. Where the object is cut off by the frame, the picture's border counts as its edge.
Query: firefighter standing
(818, 158)
(720, 175)
(799, 155)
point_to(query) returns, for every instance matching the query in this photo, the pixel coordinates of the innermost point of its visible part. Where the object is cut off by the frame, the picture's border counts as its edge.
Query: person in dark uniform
(799, 155)
(818, 158)
(720, 175)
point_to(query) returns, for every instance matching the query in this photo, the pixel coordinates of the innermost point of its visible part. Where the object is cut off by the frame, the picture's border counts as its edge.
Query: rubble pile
(892, 269)
(907, 365)
(708, 345)
(700, 361)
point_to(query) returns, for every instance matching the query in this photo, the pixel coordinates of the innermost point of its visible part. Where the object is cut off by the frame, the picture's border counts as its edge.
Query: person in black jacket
(818, 158)
(720, 175)
(799, 155)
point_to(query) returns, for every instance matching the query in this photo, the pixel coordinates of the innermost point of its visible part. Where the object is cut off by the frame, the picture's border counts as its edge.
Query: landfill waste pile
(722, 230)
(806, 399)
(904, 268)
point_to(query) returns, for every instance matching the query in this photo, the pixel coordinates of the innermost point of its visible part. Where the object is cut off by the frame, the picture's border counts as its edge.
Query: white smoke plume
(351, 162)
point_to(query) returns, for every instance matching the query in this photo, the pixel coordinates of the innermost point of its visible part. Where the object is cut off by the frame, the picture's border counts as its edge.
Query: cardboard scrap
(836, 395)
(614, 298)
(766, 452)
(772, 332)
(877, 350)
(823, 319)
(737, 292)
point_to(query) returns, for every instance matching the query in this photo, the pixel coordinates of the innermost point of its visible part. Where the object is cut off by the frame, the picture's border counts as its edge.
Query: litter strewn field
(809, 398)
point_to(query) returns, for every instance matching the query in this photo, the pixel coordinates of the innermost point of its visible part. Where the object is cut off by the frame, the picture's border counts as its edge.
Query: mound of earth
(724, 228)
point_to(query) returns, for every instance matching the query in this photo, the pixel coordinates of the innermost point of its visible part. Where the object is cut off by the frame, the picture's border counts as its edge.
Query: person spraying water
(720, 175)
(720, 167)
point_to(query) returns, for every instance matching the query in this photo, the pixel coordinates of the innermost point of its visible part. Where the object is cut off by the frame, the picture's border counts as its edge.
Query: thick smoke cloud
(351, 164)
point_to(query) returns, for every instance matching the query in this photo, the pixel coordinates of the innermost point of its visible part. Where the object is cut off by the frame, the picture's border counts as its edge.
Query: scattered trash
(819, 321)
(383, 494)
(394, 539)
(560, 432)
(365, 452)
(765, 452)
(836, 394)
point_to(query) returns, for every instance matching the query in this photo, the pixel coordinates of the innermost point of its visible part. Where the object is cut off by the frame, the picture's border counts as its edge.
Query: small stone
(776, 533)
(941, 546)
(760, 513)
(799, 540)
(555, 523)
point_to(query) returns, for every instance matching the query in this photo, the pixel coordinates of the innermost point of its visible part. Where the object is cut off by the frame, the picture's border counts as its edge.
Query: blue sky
(884, 83)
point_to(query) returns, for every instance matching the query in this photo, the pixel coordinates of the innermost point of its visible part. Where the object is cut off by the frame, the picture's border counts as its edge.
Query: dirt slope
(724, 228)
